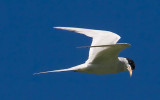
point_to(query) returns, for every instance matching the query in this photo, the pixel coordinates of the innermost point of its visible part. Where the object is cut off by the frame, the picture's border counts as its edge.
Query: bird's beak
(130, 71)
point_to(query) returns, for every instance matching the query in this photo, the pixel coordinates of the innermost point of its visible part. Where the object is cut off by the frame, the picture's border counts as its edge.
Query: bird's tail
(75, 68)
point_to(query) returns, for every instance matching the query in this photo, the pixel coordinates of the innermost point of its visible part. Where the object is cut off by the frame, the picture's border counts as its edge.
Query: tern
(103, 54)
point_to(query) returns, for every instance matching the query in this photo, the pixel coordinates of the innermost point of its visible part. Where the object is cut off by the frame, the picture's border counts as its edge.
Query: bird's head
(130, 65)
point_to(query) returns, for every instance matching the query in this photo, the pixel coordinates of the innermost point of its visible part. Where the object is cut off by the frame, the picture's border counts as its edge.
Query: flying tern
(103, 54)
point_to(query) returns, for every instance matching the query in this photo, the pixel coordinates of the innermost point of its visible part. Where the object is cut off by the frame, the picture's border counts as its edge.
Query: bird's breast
(103, 68)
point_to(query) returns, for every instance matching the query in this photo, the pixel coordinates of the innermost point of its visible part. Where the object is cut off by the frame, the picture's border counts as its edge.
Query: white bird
(103, 55)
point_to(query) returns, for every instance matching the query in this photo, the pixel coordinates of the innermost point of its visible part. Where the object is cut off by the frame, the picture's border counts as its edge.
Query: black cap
(131, 63)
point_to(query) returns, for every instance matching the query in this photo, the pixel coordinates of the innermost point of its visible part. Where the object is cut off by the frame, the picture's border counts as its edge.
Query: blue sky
(29, 44)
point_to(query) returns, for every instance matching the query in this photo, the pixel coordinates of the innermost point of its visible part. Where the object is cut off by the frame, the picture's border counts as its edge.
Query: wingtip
(40, 73)
(59, 27)
(56, 27)
(125, 44)
(36, 73)
(129, 44)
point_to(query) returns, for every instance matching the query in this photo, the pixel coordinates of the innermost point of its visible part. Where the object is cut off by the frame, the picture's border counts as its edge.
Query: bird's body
(103, 55)
(110, 67)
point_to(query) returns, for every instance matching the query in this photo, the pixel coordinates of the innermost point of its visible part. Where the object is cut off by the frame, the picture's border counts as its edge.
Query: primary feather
(99, 38)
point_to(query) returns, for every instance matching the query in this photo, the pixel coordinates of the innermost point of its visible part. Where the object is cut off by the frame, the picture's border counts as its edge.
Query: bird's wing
(110, 52)
(100, 37)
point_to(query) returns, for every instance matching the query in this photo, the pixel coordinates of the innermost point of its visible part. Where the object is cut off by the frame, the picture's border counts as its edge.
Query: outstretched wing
(110, 53)
(100, 37)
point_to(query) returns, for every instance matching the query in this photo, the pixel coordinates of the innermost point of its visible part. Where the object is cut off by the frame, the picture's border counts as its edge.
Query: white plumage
(103, 55)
